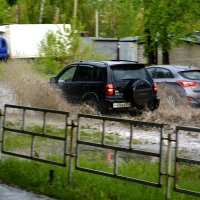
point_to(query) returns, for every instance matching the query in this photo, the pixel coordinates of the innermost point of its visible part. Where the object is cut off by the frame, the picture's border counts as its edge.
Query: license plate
(121, 105)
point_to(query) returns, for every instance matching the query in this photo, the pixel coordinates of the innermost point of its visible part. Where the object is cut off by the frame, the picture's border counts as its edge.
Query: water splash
(25, 87)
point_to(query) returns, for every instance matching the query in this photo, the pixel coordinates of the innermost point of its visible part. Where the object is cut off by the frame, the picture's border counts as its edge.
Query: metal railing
(74, 143)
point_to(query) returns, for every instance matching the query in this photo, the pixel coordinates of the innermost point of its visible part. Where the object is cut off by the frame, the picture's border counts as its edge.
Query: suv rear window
(127, 72)
(194, 74)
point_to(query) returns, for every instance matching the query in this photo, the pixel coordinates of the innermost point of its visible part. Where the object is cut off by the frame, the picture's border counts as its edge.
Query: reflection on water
(12, 193)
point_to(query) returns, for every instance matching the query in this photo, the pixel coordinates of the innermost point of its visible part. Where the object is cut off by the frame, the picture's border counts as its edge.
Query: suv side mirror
(53, 80)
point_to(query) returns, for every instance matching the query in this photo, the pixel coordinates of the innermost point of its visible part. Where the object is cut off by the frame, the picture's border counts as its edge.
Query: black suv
(108, 85)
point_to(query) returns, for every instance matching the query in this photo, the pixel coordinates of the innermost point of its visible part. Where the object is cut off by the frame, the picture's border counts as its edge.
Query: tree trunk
(151, 58)
(150, 52)
(17, 14)
(165, 57)
(150, 47)
(75, 7)
(41, 11)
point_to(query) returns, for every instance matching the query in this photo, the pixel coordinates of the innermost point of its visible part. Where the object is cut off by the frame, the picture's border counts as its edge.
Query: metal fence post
(1, 124)
(1, 128)
(71, 150)
(169, 165)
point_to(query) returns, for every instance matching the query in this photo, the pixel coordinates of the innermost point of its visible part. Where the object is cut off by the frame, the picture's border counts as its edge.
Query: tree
(54, 11)
(117, 18)
(162, 23)
(29, 11)
(166, 22)
(4, 12)
(11, 2)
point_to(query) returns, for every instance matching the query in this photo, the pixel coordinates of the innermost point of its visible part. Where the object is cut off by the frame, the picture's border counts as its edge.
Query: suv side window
(67, 75)
(84, 73)
(100, 74)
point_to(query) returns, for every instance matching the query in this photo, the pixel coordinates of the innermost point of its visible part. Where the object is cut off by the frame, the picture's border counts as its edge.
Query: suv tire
(93, 103)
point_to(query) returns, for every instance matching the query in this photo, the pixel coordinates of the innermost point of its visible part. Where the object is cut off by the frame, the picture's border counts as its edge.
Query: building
(130, 48)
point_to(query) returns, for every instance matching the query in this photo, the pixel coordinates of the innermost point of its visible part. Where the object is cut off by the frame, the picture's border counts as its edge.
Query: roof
(115, 62)
(195, 38)
(107, 62)
(127, 39)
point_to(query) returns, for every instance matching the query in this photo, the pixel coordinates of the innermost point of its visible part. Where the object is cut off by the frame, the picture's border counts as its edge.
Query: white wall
(24, 39)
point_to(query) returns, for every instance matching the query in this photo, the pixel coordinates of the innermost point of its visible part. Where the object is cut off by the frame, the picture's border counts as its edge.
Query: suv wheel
(92, 102)
(150, 106)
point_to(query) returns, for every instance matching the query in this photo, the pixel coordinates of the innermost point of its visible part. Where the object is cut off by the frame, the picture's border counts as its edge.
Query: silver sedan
(184, 79)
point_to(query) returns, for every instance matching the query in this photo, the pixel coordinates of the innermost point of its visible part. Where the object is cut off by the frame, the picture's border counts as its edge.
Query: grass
(86, 134)
(190, 176)
(34, 176)
(22, 140)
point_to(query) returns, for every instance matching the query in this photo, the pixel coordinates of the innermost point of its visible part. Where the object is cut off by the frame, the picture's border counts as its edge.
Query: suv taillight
(186, 83)
(109, 90)
(155, 87)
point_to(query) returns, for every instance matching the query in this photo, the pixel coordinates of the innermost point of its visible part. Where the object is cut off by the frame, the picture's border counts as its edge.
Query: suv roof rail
(86, 61)
(125, 60)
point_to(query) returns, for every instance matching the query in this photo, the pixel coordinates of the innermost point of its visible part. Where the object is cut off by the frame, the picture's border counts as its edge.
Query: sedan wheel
(172, 100)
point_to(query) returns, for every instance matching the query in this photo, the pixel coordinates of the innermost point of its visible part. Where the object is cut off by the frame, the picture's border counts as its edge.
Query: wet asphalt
(14, 193)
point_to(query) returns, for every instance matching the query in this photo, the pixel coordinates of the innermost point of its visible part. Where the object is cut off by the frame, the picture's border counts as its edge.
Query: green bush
(63, 47)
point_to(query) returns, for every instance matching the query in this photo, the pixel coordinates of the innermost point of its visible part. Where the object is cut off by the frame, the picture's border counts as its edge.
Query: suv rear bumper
(122, 105)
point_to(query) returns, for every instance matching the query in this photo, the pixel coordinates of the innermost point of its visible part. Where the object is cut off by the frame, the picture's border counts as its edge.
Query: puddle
(13, 193)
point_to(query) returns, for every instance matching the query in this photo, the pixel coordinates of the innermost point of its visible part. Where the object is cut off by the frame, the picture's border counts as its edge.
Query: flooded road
(13, 193)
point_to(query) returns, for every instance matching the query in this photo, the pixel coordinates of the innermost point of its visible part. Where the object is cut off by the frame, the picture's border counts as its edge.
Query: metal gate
(180, 159)
(131, 149)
